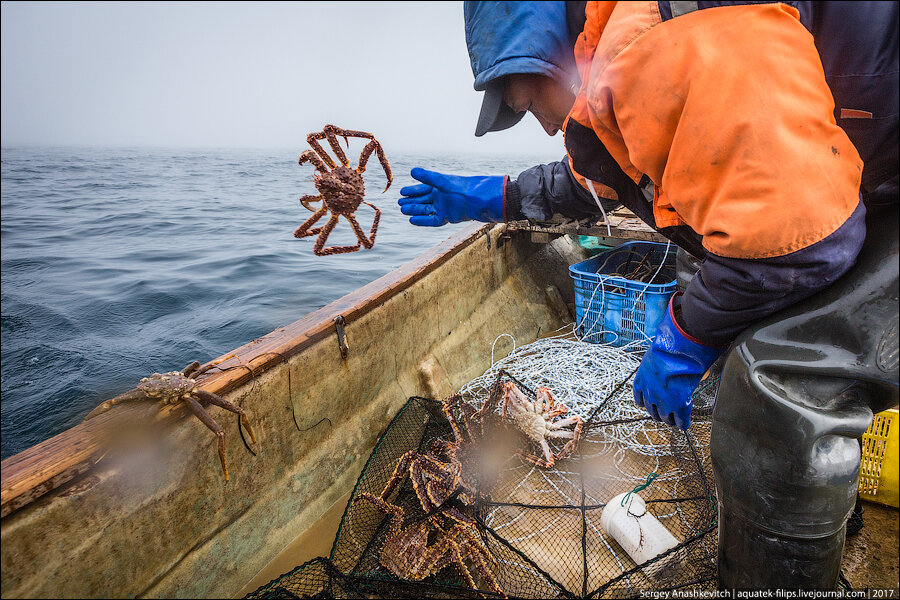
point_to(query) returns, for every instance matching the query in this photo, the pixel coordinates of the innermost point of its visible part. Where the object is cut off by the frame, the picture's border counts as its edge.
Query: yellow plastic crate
(878, 472)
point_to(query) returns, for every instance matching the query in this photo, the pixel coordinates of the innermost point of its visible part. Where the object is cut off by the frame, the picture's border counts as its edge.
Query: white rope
(495, 343)
(581, 375)
(593, 192)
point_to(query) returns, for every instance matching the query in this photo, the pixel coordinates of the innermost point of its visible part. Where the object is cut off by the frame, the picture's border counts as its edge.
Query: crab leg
(304, 230)
(131, 396)
(373, 145)
(493, 398)
(468, 414)
(416, 474)
(454, 424)
(544, 464)
(439, 555)
(515, 392)
(313, 138)
(543, 400)
(364, 158)
(370, 241)
(444, 477)
(515, 396)
(547, 453)
(565, 422)
(572, 445)
(331, 132)
(194, 369)
(319, 248)
(395, 513)
(207, 420)
(399, 474)
(305, 200)
(220, 401)
(561, 434)
(480, 558)
(310, 156)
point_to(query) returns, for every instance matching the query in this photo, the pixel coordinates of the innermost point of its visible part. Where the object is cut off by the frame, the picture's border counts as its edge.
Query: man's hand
(670, 372)
(442, 199)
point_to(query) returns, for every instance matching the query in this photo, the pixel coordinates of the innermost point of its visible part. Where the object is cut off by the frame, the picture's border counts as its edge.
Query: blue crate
(614, 310)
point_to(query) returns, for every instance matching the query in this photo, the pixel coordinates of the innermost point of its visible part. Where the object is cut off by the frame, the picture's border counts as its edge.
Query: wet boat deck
(872, 556)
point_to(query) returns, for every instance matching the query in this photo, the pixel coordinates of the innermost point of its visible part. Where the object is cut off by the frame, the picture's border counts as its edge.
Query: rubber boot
(797, 391)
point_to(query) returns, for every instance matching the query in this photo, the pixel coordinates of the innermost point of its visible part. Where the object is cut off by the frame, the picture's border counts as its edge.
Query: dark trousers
(797, 391)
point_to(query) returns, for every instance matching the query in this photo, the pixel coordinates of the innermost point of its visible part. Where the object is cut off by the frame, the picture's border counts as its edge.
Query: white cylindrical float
(637, 531)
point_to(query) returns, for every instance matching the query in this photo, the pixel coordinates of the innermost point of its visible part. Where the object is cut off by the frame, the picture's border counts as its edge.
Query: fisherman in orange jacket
(763, 139)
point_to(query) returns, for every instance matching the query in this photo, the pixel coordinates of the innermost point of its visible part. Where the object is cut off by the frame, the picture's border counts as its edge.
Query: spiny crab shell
(534, 425)
(533, 419)
(168, 387)
(343, 189)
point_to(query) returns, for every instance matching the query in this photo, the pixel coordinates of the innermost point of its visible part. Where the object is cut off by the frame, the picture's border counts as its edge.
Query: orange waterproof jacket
(716, 123)
(738, 140)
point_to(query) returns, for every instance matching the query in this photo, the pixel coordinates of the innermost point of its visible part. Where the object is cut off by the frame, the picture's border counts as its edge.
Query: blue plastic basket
(615, 310)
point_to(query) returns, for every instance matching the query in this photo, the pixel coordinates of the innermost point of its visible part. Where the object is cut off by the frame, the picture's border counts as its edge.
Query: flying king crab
(341, 188)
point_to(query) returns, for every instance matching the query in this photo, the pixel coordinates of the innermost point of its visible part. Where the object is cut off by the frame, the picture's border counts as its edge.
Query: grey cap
(496, 115)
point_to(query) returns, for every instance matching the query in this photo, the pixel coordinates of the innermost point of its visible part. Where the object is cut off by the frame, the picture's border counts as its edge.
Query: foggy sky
(245, 75)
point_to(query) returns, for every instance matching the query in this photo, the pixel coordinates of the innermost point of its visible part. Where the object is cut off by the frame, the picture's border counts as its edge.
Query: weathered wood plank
(623, 224)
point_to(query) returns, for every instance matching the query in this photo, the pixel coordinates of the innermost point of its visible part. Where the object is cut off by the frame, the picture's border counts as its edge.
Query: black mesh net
(522, 531)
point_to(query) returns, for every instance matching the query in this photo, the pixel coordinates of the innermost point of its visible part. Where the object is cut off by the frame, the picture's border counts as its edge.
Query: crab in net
(416, 549)
(180, 386)
(449, 470)
(535, 418)
(446, 480)
(341, 188)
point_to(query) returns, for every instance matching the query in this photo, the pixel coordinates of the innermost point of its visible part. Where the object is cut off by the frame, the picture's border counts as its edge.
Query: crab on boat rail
(179, 386)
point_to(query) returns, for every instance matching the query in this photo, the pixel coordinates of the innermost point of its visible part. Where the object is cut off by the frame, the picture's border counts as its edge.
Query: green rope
(638, 488)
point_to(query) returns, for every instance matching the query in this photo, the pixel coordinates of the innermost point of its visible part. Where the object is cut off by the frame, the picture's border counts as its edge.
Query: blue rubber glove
(442, 199)
(670, 371)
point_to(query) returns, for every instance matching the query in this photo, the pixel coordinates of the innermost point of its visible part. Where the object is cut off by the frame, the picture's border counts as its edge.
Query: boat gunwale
(36, 471)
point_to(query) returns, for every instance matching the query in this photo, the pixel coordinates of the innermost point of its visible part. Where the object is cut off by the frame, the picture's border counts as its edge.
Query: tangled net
(542, 526)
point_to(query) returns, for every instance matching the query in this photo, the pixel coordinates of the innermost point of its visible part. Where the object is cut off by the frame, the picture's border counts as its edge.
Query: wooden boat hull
(160, 521)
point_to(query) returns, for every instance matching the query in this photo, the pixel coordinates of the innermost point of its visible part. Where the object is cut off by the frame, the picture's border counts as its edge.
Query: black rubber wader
(797, 392)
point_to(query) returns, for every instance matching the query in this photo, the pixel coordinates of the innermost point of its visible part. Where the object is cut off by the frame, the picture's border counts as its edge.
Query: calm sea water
(120, 262)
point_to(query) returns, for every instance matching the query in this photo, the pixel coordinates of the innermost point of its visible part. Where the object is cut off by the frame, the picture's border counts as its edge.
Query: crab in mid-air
(535, 420)
(341, 188)
(179, 386)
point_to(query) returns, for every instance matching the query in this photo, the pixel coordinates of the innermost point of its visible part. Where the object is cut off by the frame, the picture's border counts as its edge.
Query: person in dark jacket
(757, 158)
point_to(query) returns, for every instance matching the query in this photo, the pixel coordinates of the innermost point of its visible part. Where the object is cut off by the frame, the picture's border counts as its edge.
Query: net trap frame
(444, 509)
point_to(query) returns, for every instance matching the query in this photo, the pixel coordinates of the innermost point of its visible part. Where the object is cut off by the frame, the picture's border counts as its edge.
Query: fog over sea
(118, 262)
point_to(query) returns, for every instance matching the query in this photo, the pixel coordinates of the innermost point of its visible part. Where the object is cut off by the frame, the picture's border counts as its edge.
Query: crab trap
(432, 517)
